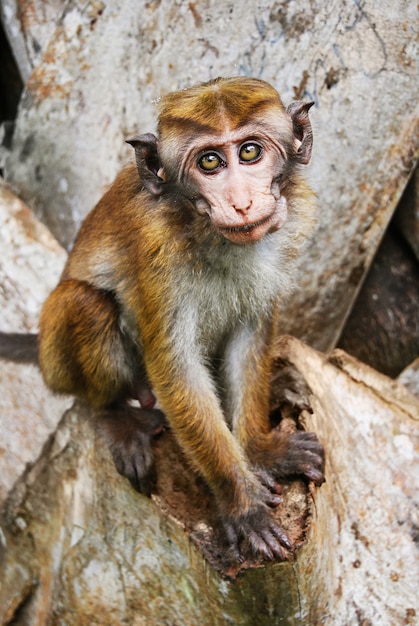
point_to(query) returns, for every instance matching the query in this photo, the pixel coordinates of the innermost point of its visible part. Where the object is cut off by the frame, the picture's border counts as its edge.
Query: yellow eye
(250, 152)
(209, 162)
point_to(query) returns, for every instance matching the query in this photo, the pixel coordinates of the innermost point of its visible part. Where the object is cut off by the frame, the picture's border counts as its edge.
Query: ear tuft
(148, 162)
(298, 111)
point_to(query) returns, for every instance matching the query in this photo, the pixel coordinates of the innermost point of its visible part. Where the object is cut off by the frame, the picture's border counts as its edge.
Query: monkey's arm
(248, 371)
(19, 347)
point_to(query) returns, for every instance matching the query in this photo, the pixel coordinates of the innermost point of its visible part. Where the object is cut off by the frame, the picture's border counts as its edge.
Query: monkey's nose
(242, 207)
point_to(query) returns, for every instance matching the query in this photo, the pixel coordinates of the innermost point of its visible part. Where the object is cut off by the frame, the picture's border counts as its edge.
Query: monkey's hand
(128, 431)
(256, 533)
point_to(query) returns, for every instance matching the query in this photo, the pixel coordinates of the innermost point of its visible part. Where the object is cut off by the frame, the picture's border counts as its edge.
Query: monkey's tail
(19, 347)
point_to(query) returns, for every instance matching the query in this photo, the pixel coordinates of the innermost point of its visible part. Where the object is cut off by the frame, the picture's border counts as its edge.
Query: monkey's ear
(148, 162)
(303, 134)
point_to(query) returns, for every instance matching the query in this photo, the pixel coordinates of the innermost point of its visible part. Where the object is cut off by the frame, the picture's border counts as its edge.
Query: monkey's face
(235, 178)
(229, 146)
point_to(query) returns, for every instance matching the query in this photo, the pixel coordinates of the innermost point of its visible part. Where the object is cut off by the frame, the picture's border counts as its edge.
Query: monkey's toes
(289, 388)
(313, 474)
(128, 431)
(134, 461)
(303, 456)
(271, 542)
(271, 488)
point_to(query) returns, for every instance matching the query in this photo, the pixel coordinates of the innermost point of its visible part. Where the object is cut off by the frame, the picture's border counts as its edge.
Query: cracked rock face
(30, 264)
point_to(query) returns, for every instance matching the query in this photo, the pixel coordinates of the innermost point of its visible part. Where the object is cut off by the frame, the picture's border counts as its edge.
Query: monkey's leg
(274, 453)
(84, 352)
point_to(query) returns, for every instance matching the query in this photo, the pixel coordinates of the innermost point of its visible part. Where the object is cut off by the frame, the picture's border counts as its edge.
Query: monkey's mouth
(247, 232)
(246, 228)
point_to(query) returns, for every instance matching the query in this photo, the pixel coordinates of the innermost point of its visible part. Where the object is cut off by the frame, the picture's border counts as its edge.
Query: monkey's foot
(289, 389)
(128, 431)
(256, 533)
(299, 454)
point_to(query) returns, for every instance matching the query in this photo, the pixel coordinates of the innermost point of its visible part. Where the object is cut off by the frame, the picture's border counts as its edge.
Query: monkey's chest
(216, 303)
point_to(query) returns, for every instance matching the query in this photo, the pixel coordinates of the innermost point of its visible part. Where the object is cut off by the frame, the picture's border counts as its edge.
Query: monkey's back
(101, 238)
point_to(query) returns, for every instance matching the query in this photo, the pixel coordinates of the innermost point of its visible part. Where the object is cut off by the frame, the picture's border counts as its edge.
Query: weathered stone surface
(108, 62)
(31, 261)
(79, 546)
(29, 26)
(361, 563)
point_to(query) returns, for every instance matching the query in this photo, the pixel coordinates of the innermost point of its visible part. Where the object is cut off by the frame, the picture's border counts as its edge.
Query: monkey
(172, 291)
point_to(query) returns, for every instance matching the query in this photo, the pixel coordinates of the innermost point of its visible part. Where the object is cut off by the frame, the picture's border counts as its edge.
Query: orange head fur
(208, 104)
(209, 108)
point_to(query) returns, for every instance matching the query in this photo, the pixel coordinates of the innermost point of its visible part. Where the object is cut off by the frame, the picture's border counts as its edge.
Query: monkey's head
(231, 147)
